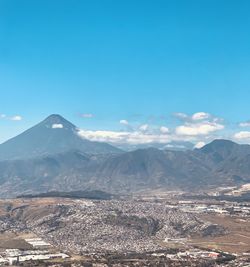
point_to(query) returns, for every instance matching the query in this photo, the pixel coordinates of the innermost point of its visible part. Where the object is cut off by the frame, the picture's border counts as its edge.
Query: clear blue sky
(128, 59)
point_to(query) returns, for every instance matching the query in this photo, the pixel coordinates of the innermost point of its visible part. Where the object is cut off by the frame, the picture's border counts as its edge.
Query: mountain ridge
(62, 161)
(127, 172)
(52, 135)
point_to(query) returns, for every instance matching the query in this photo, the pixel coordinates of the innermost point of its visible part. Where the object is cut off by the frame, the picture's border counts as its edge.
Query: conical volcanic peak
(56, 121)
(53, 135)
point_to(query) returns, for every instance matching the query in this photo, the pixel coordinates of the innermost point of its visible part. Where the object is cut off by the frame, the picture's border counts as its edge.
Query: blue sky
(139, 61)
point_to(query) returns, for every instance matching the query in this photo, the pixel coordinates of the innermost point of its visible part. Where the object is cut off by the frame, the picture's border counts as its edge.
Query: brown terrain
(236, 239)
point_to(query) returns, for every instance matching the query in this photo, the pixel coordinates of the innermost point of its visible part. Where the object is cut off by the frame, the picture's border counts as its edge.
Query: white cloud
(242, 135)
(57, 126)
(124, 122)
(2, 116)
(196, 129)
(200, 145)
(144, 127)
(164, 130)
(245, 124)
(175, 146)
(16, 118)
(196, 117)
(135, 137)
(87, 115)
(199, 128)
(200, 116)
(198, 124)
(180, 115)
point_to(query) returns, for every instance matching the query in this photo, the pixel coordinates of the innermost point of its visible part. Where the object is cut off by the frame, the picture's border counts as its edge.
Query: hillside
(220, 163)
(53, 135)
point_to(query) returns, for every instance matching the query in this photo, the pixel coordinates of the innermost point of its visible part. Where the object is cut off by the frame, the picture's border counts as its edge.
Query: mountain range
(51, 156)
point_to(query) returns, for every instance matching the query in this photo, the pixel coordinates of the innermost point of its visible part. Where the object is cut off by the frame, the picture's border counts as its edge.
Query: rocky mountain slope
(57, 159)
(53, 135)
(126, 172)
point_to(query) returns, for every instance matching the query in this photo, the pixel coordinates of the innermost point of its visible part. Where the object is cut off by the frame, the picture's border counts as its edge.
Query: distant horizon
(108, 137)
(127, 70)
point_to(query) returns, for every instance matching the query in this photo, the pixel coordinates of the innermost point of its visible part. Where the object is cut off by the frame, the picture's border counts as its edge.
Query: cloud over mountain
(124, 122)
(242, 135)
(245, 124)
(195, 129)
(200, 116)
(198, 127)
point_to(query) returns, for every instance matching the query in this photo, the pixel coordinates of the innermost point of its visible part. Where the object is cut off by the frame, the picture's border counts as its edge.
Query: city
(164, 228)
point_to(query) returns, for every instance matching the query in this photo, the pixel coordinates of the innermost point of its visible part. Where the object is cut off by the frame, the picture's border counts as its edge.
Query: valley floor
(145, 230)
